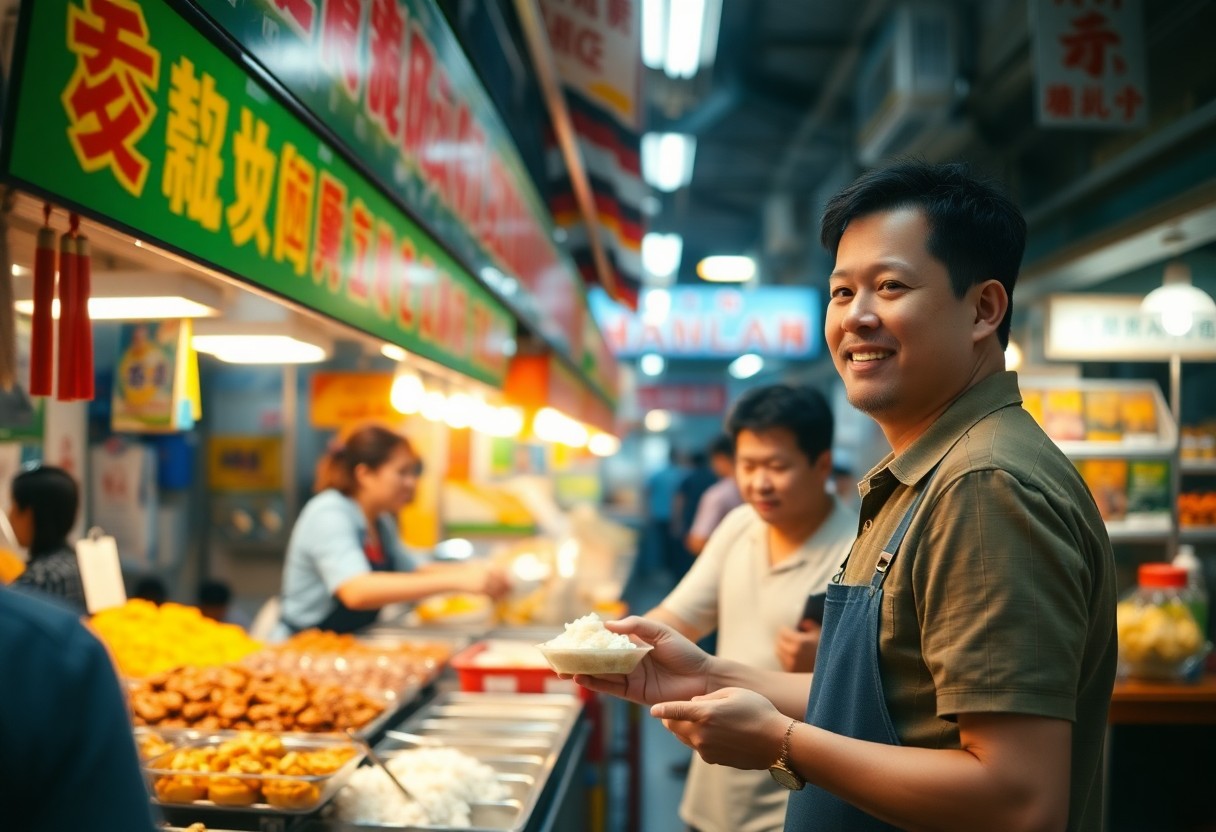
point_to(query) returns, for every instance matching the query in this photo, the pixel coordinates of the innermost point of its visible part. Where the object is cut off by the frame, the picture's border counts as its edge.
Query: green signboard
(125, 109)
(389, 78)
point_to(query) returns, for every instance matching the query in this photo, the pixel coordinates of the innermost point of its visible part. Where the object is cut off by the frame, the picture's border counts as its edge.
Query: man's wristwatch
(781, 770)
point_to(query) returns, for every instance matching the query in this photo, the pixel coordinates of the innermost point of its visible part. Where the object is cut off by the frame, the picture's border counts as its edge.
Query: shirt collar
(997, 391)
(804, 550)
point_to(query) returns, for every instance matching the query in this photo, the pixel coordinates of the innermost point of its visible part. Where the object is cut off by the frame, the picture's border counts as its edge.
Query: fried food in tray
(215, 698)
(253, 770)
(391, 668)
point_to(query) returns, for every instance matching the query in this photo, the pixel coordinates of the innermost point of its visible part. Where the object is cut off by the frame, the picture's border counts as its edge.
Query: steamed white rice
(444, 780)
(589, 632)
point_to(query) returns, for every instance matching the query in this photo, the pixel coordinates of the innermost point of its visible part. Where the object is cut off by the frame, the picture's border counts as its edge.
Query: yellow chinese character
(254, 180)
(293, 214)
(107, 99)
(194, 137)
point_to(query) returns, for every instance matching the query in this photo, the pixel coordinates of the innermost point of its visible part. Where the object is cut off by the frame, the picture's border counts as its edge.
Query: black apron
(342, 619)
(850, 699)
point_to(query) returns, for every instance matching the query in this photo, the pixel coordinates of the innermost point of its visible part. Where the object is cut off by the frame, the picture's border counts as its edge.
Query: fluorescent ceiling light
(131, 296)
(723, 268)
(685, 28)
(746, 366)
(661, 254)
(654, 32)
(288, 341)
(1176, 301)
(680, 36)
(651, 364)
(667, 160)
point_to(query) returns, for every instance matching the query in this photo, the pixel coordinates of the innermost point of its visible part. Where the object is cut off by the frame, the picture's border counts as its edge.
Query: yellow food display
(1165, 634)
(146, 639)
(454, 606)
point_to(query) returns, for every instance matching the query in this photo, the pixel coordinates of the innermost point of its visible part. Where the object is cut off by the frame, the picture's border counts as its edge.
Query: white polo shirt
(732, 588)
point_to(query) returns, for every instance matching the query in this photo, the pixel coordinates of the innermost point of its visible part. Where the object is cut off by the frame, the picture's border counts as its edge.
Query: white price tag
(100, 572)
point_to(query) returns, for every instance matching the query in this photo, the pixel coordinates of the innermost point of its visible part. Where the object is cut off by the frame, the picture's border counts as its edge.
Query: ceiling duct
(907, 81)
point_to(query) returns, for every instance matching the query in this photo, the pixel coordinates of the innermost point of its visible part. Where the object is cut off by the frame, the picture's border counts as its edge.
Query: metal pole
(1176, 455)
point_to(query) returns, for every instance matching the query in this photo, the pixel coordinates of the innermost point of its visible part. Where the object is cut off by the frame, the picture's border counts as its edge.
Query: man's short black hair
(801, 410)
(214, 593)
(975, 230)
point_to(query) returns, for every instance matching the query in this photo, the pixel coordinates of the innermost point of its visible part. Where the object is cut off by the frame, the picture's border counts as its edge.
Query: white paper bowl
(593, 661)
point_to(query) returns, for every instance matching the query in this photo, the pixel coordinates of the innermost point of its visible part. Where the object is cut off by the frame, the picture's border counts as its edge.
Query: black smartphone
(813, 609)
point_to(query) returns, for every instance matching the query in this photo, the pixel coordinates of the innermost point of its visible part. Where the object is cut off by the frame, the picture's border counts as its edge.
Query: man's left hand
(796, 649)
(731, 727)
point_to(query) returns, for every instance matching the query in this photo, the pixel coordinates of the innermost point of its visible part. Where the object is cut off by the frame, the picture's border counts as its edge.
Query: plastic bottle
(1186, 559)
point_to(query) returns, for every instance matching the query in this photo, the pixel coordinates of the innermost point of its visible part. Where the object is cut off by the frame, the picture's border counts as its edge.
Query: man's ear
(991, 304)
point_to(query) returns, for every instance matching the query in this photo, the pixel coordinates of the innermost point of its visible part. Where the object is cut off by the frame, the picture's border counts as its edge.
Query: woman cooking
(345, 559)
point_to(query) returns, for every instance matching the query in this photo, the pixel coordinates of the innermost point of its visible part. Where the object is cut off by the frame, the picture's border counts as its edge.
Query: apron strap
(891, 550)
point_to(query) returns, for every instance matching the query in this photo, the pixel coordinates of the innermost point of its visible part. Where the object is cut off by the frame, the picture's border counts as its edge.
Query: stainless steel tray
(520, 736)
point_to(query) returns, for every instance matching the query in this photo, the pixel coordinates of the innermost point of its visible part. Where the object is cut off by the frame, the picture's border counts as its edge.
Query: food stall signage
(340, 399)
(390, 80)
(1113, 328)
(705, 399)
(704, 322)
(1089, 63)
(126, 110)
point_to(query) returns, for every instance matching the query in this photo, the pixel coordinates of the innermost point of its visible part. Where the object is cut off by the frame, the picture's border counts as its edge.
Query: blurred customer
(345, 559)
(752, 581)
(699, 479)
(719, 499)
(215, 602)
(151, 588)
(45, 500)
(661, 490)
(67, 759)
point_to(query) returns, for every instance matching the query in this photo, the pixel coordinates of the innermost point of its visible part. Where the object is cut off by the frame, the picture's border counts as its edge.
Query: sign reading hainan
(389, 78)
(708, 322)
(126, 110)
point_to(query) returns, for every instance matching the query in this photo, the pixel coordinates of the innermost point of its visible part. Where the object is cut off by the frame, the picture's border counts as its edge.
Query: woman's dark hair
(370, 445)
(52, 496)
(803, 411)
(975, 230)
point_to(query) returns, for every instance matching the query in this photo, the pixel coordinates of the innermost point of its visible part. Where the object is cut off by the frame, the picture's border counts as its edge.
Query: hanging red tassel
(67, 312)
(84, 325)
(42, 334)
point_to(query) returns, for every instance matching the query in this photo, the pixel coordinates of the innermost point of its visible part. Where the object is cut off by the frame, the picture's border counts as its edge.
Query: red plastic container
(509, 678)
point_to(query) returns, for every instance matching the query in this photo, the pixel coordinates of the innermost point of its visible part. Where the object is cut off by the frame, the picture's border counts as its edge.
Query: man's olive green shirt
(1002, 599)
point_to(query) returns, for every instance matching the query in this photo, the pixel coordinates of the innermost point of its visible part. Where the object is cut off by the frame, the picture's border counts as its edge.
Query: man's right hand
(675, 670)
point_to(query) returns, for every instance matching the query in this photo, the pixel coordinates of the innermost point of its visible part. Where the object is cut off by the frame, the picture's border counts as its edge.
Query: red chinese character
(620, 15)
(340, 40)
(561, 33)
(302, 13)
(331, 227)
(384, 74)
(1059, 101)
(1093, 102)
(107, 99)
(362, 224)
(1085, 48)
(1129, 100)
(589, 7)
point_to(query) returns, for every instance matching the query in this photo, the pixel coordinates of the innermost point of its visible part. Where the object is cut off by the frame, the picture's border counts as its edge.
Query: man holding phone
(761, 577)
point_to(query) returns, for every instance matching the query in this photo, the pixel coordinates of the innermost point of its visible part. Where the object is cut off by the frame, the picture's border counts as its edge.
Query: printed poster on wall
(155, 379)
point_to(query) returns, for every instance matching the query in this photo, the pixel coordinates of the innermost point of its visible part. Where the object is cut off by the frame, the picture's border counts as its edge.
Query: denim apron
(849, 700)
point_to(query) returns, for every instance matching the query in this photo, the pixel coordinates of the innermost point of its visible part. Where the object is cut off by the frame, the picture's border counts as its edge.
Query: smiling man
(968, 650)
(752, 580)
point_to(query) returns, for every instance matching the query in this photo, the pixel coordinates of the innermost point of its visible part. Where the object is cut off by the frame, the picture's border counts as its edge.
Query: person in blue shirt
(67, 756)
(345, 559)
(661, 489)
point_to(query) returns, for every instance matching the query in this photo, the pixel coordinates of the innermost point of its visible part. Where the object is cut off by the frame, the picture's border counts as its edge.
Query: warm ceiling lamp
(1176, 301)
(727, 268)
